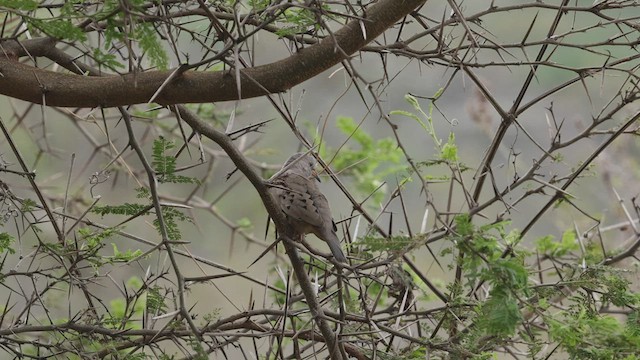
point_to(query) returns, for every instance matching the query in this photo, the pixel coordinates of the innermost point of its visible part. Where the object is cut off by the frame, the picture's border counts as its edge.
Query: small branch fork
(398, 327)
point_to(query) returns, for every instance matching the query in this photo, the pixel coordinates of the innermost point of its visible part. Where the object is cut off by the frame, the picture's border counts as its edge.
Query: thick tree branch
(44, 48)
(297, 263)
(35, 85)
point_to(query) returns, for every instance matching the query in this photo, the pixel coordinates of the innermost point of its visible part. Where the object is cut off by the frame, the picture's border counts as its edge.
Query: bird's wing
(301, 199)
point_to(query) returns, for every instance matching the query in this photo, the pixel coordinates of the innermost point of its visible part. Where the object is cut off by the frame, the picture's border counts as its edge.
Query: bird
(296, 192)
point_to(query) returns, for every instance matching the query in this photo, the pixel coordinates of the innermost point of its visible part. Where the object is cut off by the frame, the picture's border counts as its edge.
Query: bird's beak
(314, 174)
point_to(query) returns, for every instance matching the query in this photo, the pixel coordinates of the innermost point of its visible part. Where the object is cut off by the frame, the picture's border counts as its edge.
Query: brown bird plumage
(296, 192)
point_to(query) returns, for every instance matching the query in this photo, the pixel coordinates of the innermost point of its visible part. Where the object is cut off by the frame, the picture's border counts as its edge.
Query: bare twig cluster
(450, 264)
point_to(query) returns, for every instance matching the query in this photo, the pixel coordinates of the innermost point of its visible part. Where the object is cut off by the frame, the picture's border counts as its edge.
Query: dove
(296, 192)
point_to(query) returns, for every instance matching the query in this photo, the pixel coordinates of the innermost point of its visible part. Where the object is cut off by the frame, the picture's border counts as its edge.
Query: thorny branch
(390, 300)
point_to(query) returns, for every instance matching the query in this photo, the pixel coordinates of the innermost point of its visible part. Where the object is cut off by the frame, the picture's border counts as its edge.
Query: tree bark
(40, 86)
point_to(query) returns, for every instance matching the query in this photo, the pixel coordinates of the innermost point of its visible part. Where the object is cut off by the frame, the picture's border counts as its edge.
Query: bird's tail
(336, 250)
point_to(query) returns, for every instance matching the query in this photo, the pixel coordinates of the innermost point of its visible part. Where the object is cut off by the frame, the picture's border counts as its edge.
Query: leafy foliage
(172, 217)
(106, 59)
(155, 301)
(448, 151)
(126, 314)
(585, 335)
(299, 21)
(26, 5)
(147, 37)
(128, 255)
(481, 257)
(373, 161)
(165, 165)
(547, 245)
(127, 209)
(378, 244)
(438, 268)
(6, 240)
(62, 29)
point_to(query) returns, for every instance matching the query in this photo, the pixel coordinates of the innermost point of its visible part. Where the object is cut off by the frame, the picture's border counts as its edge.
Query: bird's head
(303, 164)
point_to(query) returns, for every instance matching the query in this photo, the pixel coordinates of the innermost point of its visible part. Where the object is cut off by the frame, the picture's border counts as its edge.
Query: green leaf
(411, 116)
(501, 313)
(171, 218)
(5, 243)
(464, 227)
(124, 209)
(95, 239)
(509, 272)
(348, 126)
(368, 164)
(427, 123)
(245, 223)
(106, 59)
(155, 301)
(146, 35)
(165, 165)
(569, 241)
(449, 151)
(413, 101)
(376, 243)
(26, 5)
(545, 244)
(62, 29)
(127, 256)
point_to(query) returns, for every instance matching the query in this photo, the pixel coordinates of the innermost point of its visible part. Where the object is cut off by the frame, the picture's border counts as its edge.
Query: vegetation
(136, 137)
